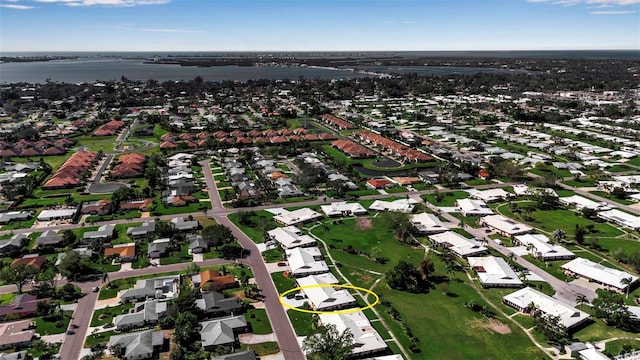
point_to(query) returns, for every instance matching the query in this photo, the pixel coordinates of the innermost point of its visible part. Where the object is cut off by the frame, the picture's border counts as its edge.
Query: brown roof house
(126, 252)
(16, 335)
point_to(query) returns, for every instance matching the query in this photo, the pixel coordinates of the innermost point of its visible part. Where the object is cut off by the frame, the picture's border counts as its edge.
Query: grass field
(581, 183)
(259, 322)
(109, 314)
(98, 338)
(262, 349)
(615, 347)
(605, 194)
(448, 198)
(49, 327)
(260, 221)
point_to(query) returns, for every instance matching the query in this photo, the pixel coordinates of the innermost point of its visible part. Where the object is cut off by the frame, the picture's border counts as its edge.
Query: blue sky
(312, 25)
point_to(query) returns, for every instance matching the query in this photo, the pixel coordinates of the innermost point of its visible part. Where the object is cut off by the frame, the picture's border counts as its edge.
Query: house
(245, 355)
(16, 335)
(141, 205)
(306, 261)
(197, 245)
(147, 228)
(144, 314)
(180, 224)
(365, 338)
(494, 272)
(22, 305)
(471, 207)
(522, 299)
(165, 287)
(504, 226)
(610, 279)
(621, 218)
(214, 280)
(400, 205)
(322, 295)
(82, 251)
(104, 232)
(427, 223)
(290, 237)
(581, 202)
(489, 195)
(296, 217)
(34, 260)
(159, 248)
(539, 246)
(18, 355)
(100, 207)
(14, 243)
(342, 208)
(352, 149)
(137, 345)
(10, 216)
(48, 239)
(126, 252)
(57, 214)
(375, 184)
(221, 331)
(213, 302)
(459, 244)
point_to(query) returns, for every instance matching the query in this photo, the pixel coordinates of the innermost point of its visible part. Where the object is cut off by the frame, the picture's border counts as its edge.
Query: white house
(291, 237)
(57, 214)
(539, 246)
(323, 296)
(489, 195)
(494, 272)
(306, 261)
(610, 279)
(400, 205)
(428, 223)
(471, 207)
(366, 339)
(581, 202)
(296, 217)
(621, 218)
(504, 226)
(459, 244)
(342, 208)
(568, 315)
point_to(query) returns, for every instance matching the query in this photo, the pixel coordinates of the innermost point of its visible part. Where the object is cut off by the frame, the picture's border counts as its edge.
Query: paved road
(278, 318)
(587, 194)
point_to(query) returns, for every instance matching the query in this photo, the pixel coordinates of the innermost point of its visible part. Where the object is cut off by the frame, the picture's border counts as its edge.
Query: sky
(318, 25)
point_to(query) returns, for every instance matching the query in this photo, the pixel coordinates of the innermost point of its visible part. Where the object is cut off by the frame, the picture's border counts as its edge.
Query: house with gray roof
(245, 355)
(138, 345)
(104, 232)
(22, 355)
(166, 287)
(10, 216)
(214, 302)
(147, 228)
(48, 238)
(144, 314)
(16, 242)
(221, 331)
(180, 224)
(197, 245)
(159, 248)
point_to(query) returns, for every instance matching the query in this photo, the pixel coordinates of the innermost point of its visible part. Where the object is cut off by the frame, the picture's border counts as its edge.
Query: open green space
(96, 143)
(615, 347)
(599, 330)
(351, 244)
(108, 314)
(44, 327)
(586, 182)
(259, 321)
(447, 199)
(259, 222)
(551, 267)
(549, 220)
(161, 209)
(177, 256)
(605, 194)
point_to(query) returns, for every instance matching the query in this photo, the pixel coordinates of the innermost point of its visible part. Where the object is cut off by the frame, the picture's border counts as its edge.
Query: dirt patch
(364, 223)
(494, 326)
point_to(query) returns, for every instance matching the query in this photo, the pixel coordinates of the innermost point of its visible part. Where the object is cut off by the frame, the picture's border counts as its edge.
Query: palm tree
(627, 281)
(581, 300)
(510, 258)
(426, 268)
(559, 235)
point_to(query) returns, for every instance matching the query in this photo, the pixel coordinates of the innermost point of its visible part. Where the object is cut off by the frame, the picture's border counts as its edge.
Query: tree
(405, 277)
(19, 275)
(187, 331)
(328, 344)
(611, 307)
(581, 300)
(74, 264)
(559, 235)
(400, 225)
(193, 268)
(550, 326)
(217, 235)
(579, 234)
(627, 281)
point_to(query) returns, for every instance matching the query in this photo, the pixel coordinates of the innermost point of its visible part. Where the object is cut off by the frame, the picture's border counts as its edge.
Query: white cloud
(16, 6)
(613, 12)
(126, 3)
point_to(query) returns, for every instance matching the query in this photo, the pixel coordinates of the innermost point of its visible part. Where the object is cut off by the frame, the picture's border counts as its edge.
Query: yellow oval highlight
(343, 311)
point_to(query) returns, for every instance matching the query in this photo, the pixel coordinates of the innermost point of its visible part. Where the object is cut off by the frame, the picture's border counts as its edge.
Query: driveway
(198, 257)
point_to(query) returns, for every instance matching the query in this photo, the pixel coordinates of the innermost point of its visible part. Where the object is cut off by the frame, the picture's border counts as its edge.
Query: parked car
(95, 289)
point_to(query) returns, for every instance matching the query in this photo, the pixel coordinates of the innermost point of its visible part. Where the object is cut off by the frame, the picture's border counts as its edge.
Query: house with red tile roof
(109, 129)
(378, 183)
(126, 252)
(72, 172)
(337, 122)
(34, 260)
(168, 145)
(141, 205)
(352, 149)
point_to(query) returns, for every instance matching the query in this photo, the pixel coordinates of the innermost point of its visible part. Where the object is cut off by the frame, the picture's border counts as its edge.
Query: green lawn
(627, 245)
(19, 224)
(302, 322)
(259, 321)
(178, 256)
(125, 215)
(49, 327)
(397, 189)
(549, 220)
(282, 282)
(615, 347)
(582, 183)
(262, 349)
(109, 314)
(98, 338)
(160, 209)
(599, 330)
(260, 221)
(448, 198)
(5, 299)
(272, 255)
(111, 289)
(605, 194)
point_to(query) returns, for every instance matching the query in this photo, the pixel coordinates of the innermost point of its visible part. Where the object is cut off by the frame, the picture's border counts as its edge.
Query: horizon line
(311, 51)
